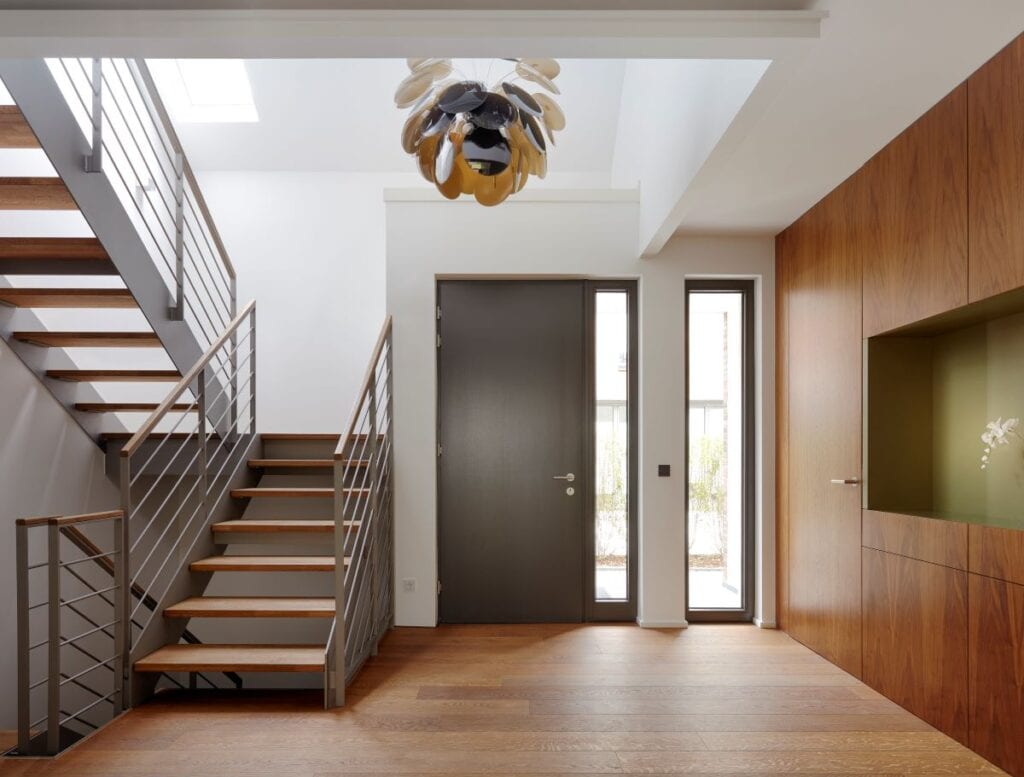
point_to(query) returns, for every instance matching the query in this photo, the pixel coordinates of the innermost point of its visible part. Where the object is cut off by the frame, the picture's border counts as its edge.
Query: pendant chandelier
(471, 139)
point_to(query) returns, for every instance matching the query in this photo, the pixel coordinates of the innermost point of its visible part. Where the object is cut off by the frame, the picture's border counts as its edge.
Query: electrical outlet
(409, 584)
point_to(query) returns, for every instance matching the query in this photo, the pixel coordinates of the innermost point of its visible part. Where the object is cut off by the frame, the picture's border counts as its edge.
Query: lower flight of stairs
(287, 527)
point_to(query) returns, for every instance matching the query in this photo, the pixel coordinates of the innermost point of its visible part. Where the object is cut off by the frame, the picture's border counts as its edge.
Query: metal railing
(106, 591)
(364, 528)
(134, 143)
(82, 618)
(175, 474)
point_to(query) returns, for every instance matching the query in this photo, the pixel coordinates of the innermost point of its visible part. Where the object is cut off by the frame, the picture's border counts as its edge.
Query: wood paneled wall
(914, 234)
(934, 221)
(995, 95)
(915, 638)
(823, 431)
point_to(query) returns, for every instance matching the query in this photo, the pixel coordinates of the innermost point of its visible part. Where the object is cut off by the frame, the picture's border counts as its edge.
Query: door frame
(748, 289)
(593, 610)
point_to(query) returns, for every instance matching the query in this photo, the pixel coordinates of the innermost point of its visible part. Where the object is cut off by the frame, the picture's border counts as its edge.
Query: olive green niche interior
(931, 388)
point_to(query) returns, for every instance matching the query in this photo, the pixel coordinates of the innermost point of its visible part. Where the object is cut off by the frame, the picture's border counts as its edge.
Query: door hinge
(440, 449)
(439, 586)
(439, 341)
(438, 312)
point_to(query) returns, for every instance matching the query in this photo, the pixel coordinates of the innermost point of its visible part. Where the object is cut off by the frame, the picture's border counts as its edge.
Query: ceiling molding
(395, 33)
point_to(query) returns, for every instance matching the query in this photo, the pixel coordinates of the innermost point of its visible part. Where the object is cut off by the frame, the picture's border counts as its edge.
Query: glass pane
(716, 451)
(611, 445)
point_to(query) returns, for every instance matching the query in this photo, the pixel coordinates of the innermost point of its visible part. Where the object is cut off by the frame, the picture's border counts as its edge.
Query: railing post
(374, 528)
(24, 658)
(390, 464)
(124, 592)
(53, 645)
(252, 372)
(120, 617)
(178, 311)
(94, 159)
(336, 695)
(203, 463)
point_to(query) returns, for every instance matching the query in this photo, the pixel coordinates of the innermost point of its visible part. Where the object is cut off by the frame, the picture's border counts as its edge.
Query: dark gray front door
(512, 411)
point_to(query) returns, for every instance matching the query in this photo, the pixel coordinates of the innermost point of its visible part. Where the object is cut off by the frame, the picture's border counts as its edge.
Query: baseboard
(645, 624)
(765, 625)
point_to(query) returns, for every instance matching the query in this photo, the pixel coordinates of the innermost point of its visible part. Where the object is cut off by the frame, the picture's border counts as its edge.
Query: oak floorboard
(536, 700)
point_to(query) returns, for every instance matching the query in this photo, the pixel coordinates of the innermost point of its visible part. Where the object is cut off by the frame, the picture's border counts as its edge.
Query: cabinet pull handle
(845, 482)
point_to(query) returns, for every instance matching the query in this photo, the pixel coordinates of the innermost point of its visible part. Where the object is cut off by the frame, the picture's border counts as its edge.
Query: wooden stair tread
(54, 256)
(108, 436)
(265, 564)
(67, 298)
(298, 437)
(234, 658)
(295, 463)
(15, 131)
(35, 193)
(252, 607)
(127, 407)
(116, 376)
(283, 526)
(287, 491)
(64, 248)
(90, 339)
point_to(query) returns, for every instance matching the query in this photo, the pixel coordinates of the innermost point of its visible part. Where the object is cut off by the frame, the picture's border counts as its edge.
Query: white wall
(48, 466)
(674, 112)
(309, 247)
(576, 234)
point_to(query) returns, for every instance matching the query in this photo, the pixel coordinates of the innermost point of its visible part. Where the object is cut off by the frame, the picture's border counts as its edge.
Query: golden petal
(496, 188)
(415, 62)
(553, 116)
(412, 88)
(425, 155)
(549, 68)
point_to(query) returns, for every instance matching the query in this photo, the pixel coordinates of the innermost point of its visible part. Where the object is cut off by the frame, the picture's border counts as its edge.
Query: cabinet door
(915, 638)
(823, 342)
(914, 244)
(997, 671)
(996, 161)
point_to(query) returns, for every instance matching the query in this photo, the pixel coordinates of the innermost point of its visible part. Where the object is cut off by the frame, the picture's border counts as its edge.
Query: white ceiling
(339, 115)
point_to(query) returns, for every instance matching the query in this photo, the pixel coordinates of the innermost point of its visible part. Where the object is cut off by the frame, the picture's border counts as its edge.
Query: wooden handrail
(385, 330)
(69, 520)
(182, 385)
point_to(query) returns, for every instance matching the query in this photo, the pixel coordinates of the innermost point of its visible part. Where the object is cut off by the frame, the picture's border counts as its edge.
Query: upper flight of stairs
(62, 259)
(273, 537)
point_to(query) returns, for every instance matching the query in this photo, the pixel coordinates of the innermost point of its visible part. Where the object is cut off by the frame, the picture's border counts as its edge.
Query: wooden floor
(540, 700)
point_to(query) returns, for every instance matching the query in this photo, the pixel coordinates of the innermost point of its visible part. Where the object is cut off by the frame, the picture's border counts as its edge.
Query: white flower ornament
(998, 433)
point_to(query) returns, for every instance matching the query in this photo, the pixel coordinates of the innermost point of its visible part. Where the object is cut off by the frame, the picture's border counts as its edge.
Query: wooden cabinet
(913, 232)
(997, 553)
(996, 163)
(925, 539)
(822, 349)
(915, 638)
(997, 671)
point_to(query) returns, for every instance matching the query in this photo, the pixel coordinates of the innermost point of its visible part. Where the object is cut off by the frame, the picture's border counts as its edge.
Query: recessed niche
(931, 388)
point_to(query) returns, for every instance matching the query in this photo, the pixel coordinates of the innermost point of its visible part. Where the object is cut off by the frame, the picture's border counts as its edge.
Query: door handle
(567, 476)
(845, 481)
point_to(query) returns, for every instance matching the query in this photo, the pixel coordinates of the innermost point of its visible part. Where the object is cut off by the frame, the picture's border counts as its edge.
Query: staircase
(286, 526)
(135, 330)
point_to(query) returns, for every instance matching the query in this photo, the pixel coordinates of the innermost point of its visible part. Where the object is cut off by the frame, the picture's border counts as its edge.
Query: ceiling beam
(327, 32)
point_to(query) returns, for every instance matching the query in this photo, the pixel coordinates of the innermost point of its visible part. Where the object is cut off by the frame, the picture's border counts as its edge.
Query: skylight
(205, 90)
